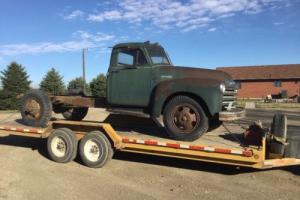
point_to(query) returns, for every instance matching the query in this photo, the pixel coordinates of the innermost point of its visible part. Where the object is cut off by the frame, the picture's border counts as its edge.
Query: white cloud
(187, 16)
(98, 37)
(212, 29)
(74, 14)
(278, 23)
(82, 39)
(108, 15)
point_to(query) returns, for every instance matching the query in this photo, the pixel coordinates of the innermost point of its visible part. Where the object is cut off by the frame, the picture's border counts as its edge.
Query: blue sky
(212, 33)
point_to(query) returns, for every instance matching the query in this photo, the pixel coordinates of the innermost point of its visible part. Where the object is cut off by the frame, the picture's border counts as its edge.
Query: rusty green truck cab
(142, 79)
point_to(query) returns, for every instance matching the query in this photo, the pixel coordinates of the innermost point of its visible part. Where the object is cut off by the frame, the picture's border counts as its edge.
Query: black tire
(74, 139)
(58, 109)
(68, 149)
(278, 129)
(214, 122)
(75, 114)
(36, 108)
(172, 123)
(102, 146)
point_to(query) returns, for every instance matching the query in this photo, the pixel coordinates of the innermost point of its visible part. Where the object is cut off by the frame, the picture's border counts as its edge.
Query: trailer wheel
(36, 108)
(279, 130)
(95, 149)
(62, 145)
(185, 119)
(76, 114)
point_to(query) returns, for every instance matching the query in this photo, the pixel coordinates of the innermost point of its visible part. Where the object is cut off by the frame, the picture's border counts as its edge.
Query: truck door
(129, 78)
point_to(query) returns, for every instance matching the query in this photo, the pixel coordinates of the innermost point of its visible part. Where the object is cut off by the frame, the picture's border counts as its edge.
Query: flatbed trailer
(98, 142)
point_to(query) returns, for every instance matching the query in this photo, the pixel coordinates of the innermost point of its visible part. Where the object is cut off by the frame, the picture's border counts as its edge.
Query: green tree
(76, 84)
(53, 83)
(15, 82)
(98, 86)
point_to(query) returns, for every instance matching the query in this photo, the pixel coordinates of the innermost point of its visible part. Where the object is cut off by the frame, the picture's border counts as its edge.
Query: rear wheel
(185, 119)
(36, 108)
(95, 149)
(76, 114)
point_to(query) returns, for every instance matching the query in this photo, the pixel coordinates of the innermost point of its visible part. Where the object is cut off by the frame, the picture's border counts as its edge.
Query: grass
(260, 104)
(277, 105)
(242, 103)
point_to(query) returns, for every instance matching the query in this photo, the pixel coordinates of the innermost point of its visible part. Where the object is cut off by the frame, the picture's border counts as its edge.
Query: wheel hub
(185, 118)
(32, 109)
(92, 151)
(59, 147)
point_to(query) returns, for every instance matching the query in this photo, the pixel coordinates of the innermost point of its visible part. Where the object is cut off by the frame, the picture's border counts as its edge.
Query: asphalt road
(27, 173)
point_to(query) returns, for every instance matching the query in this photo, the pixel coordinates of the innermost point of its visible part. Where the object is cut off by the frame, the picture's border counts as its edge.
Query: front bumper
(232, 115)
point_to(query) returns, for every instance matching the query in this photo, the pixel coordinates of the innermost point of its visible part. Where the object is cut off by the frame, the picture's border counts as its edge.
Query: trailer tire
(279, 130)
(36, 108)
(95, 149)
(183, 112)
(74, 139)
(67, 150)
(75, 114)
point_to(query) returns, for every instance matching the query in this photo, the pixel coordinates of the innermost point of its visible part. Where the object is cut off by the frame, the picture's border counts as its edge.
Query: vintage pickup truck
(141, 80)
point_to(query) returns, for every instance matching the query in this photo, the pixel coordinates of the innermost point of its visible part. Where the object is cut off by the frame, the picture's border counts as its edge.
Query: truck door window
(131, 57)
(125, 58)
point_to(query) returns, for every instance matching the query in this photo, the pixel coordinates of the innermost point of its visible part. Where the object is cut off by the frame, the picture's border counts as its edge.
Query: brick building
(259, 81)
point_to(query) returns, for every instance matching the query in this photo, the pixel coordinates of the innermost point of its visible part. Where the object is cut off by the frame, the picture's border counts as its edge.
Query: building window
(277, 83)
(238, 85)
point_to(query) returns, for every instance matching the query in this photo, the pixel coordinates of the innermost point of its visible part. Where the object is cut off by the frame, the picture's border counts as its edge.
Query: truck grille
(229, 99)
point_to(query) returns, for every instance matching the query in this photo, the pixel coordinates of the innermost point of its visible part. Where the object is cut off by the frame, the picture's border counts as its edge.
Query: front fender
(205, 89)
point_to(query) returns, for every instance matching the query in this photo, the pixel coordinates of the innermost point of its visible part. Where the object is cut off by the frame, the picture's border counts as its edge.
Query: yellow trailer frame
(253, 156)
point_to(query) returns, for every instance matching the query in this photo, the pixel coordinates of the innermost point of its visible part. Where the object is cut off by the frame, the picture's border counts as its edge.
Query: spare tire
(36, 108)
(279, 133)
(76, 113)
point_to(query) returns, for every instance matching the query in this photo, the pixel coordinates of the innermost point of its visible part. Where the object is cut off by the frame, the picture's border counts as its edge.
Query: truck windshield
(158, 55)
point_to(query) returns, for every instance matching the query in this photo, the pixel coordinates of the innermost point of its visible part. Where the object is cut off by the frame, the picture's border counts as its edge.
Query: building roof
(290, 71)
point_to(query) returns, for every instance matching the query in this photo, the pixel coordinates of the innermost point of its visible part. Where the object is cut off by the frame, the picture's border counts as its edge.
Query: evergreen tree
(76, 85)
(98, 86)
(53, 83)
(14, 83)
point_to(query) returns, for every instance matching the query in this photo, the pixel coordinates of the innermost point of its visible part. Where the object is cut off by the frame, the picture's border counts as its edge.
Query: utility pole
(83, 70)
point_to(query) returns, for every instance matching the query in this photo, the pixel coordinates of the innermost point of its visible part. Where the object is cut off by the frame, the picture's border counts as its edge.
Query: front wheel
(185, 119)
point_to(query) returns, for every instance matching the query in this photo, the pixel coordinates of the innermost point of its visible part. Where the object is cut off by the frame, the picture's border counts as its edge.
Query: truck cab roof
(136, 44)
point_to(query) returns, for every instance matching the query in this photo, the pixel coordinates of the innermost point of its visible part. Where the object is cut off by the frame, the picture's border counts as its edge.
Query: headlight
(222, 88)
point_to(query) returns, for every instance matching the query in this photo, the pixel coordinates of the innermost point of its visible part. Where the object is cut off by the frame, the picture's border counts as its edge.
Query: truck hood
(179, 72)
